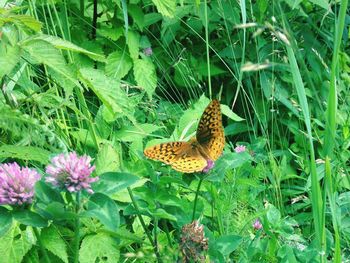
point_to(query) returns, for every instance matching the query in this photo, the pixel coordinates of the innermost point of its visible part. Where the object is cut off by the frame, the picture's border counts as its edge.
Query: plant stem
(43, 250)
(76, 240)
(138, 213)
(196, 197)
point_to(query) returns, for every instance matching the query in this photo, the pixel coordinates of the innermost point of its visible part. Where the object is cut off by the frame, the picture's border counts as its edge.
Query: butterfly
(200, 151)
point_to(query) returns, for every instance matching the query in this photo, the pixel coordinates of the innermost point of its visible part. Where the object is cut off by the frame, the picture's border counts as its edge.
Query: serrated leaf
(42, 52)
(100, 248)
(165, 7)
(103, 208)
(133, 42)
(145, 75)
(9, 57)
(111, 183)
(15, 244)
(107, 159)
(29, 218)
(24, 153)
(108, 90)
(118, 64)
(53, 242)
(66, 45)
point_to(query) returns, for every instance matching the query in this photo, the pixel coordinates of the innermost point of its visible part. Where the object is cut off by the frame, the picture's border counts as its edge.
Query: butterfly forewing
(210, 132)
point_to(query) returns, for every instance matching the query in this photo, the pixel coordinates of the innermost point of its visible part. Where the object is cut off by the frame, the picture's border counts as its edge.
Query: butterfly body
(196, 154)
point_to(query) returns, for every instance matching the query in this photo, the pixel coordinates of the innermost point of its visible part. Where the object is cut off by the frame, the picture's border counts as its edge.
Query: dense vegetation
(107, 78)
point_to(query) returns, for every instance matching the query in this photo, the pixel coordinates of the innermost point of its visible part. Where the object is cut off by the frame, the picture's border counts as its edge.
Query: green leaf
(29, 218)
(53, 242)
(9, 57)
(137, 15)
(165, 7)
(66, 45)
(5, 220)
(41, 52)
(230, 114)
(98, 248)
(118, 64)
(227, 244)
(103, 208)
(133, 41)
(132, 133)
(15, 244)
(108, 90)
(273, 214)
(58, 211)
(145, 75)
(111, 183)
(25, 153)
(107, 159)
(160, 213)
(46, 194)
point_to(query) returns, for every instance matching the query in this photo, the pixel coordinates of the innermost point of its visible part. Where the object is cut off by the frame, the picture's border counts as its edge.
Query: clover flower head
(210, 165)
(148, 51)
(17, 184)
(193, 242)
(257, 224)
(240, 149)
(71, 172)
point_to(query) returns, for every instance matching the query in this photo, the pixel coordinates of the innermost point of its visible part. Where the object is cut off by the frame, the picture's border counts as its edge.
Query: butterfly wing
(180, 155)
(210, 132)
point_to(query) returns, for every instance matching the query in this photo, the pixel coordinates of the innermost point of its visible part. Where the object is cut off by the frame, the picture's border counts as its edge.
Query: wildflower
(193, 242)
(148, 51)
(240, 149)
(71, 172)
(17, 184)
(257, 225)
(210, 165)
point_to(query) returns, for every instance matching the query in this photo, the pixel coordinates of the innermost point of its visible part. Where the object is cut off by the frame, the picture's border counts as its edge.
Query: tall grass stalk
(316, 197)
(207, 46)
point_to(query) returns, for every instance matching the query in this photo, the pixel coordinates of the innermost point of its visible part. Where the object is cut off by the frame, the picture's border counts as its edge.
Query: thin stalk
(207, 46)
(196, 197)
(42, 249)
(333, 207)
(76, 240)
(138, 213)
(165, 226)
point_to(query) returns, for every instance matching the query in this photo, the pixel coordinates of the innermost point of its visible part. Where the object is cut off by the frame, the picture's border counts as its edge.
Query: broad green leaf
(29, 218)
(165, 7)
(103, 208)
(230, 114)
(227, 244)
(98, 248)
(42, 52)
(46, 194)
(132, 133)
(25, 22)
(160, 213)
(66, 45)
(53, 242)
(15, 244)
(108, 90)
(9, 57)
(107, 159)
(118, 64)
(137, 15)
(133, 42)
(25, 153)
(58, 211)
(145, 75)
(5, 220)
(273, 214)
(111, 183)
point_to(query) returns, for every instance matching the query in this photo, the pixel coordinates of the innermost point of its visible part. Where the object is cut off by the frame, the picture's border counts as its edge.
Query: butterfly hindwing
(210, 132)
(166, 152)
(189, 162)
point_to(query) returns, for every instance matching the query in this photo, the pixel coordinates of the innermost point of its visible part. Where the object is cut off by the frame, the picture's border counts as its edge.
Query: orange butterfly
(200, 151)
